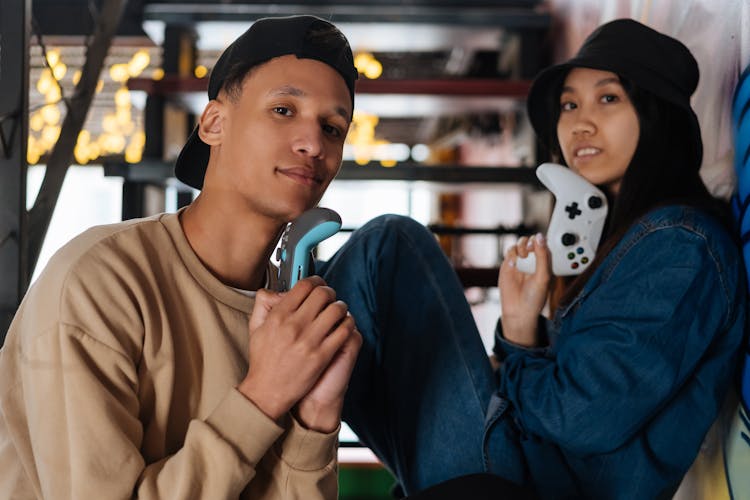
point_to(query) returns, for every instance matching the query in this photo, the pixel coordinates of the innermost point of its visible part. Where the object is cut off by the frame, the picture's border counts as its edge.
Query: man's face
(282, 138)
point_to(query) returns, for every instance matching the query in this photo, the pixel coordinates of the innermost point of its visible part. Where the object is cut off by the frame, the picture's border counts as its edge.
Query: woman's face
(598, 128)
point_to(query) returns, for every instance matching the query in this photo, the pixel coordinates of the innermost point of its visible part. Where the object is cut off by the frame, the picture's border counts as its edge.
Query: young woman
(613, 397)
(647, 338)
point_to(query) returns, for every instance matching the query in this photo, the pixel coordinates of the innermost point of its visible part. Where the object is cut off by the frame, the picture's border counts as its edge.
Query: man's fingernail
(539, 239)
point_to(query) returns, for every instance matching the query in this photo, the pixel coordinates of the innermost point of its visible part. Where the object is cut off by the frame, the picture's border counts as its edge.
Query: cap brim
(191, 164)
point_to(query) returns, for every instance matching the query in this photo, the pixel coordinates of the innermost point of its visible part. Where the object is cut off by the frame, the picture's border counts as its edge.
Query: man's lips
(302, 175)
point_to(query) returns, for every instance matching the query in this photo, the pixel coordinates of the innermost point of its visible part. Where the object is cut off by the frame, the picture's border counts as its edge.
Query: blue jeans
(422, 386)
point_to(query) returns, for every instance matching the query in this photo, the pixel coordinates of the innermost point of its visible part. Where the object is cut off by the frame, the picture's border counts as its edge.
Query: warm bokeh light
(138, 63)
(365, 147)
(53, 57)
(53, 95)
(45, 81)
(201, 71)
(59, 70)
(373, 70)
(122, 97)
(368, 65)
(51, 114)
(36, 122)
(120, 132)
(119, 73)
(49, 136)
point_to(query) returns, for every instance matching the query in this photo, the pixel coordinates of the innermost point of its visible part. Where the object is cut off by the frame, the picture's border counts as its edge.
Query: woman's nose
(584, 123)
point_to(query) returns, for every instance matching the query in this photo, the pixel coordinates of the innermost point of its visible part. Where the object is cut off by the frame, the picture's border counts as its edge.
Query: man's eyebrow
(343, 113)
(288, 90)
(293, 91)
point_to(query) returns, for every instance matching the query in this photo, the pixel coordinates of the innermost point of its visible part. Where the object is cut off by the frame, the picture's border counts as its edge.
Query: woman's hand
(522, 295)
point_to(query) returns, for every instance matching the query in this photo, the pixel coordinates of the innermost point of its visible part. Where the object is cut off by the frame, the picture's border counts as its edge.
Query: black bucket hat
(653, 61)
(265, 39)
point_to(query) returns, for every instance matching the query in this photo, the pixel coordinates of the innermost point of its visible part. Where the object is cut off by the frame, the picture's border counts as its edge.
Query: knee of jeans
(392, 224)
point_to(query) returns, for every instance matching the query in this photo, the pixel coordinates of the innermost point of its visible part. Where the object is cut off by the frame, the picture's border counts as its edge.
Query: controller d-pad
(573, 210)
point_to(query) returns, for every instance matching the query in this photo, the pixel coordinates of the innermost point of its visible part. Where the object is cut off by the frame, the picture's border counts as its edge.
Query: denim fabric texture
(422, 383)
(616, 407)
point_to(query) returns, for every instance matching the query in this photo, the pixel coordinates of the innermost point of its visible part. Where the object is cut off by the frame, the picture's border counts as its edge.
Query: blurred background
(439, 133)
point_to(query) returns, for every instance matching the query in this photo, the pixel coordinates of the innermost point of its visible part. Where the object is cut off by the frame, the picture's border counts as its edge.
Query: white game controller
(576, 224)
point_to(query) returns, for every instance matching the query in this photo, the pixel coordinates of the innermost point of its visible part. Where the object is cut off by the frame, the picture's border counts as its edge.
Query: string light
(119, 132)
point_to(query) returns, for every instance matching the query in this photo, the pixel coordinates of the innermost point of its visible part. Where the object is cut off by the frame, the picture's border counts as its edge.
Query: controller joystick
(576, 224)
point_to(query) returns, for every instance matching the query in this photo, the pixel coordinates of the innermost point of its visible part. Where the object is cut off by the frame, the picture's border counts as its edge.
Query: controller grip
(527, 264)
(301, 236)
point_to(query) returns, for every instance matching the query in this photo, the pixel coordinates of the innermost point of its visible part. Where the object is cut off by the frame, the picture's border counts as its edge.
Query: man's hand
(320, 409)
(522, 295)
(293, 339)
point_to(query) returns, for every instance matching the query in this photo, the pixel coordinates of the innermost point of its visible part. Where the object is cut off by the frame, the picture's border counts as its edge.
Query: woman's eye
(609, 98)
(567, 106)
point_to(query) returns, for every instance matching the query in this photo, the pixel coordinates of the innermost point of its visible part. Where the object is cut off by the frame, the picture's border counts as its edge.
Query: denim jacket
(638, 364)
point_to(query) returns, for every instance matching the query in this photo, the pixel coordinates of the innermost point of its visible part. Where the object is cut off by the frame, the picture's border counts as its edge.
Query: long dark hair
(663, 171)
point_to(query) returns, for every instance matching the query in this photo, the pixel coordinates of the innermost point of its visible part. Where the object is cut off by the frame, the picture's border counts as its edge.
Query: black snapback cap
(265, 39)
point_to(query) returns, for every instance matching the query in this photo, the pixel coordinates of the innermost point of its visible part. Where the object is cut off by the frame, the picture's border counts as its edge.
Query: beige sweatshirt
(118, 375)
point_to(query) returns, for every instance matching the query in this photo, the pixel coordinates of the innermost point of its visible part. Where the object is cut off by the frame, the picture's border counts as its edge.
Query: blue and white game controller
(299, 238)
(576, 224)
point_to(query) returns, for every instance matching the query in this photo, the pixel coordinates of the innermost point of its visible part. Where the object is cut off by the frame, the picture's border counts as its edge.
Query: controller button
(585, 260)
(579, 250)
(573, 210)
(595, 202)
(571, 256)
(569, 239)
(574, 265)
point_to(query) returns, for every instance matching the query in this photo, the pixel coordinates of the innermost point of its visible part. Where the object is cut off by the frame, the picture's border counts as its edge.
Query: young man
(140, 363)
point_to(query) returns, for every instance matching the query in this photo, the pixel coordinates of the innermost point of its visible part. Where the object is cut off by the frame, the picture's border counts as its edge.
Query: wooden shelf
(158, 172)
(479, 87)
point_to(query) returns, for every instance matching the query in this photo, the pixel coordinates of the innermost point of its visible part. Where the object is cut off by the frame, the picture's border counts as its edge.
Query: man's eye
(609, 98)
(331, 130)
(282, 110)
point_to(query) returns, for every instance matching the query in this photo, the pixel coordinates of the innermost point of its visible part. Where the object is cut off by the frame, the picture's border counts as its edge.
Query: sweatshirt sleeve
(73, 416)
(300, 465)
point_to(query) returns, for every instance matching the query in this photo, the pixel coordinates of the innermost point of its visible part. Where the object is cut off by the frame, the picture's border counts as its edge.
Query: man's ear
(211, 123)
